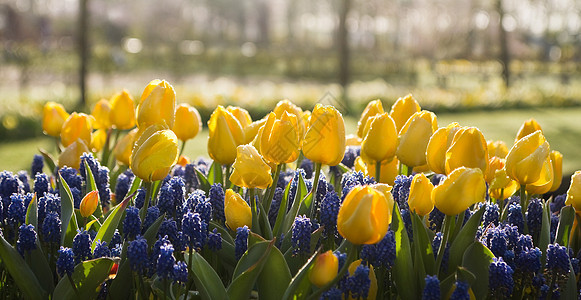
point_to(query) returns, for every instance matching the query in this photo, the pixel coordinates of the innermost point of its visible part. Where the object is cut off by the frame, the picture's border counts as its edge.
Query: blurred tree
(504, 56)
(83, 48)
(343, 43)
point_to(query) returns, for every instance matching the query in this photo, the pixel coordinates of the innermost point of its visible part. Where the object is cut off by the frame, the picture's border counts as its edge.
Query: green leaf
(423, 245)
(204, 183)
(215, 173)
(275, 276)
(107, 230)
(565, 224)
(571, 287)
(464, 238)
(92, 186)
(295, 289)
(41, 269)
(67, 210)
(32, 213)
(477, 259)
(403, 270)
(71, 232)
(49, 160)
(292, 214)
(247, 271)
(134, 186)
(207, 281)
(87, 276)
(20, 272)
(545, 237)
(281, 212)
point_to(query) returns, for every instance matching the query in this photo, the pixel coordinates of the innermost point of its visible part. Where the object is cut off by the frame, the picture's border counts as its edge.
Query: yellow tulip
(122, 114)
(89, 203)
(187, 122)
(324, 269)
(251, 131)
(574, 191)
(157, 104)
(525, 159)
(527, 128)
(122, 150)
(497, 148)
(557, 160)
(154, 153)
(545, 182)
(98, 140)
(420, 197)
(53, 117)
(380, 139)
(438, 145)
(77, 126)
(373, 108)
(414, 138)
(372, 293)
(225, 134)
(403, 109)
(71, 156)
(389, 170)
(325, 138)
(364, 216)
(462, 188)
(249, 169)
(500, 185)
(291, 108)
(236, 211)
(241, 115)
(101, 112)
(279, 142)
(468, 149)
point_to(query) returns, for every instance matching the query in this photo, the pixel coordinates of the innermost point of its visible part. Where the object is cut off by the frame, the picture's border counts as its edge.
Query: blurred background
(486, 63)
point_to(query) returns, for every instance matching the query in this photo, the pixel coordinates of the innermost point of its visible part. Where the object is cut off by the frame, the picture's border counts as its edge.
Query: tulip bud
(497, 148)
(525, 159)
(527, 128)
(403, 109)
(89, 203)
(98, 140)
(380, 139)
(372, 293)
(325, 138)
(241, 115)
(251, 131)
(157, 104)
(468, 149)
(291, 108)
(249, 169)
(279, 142)
(236, 211)
(225, 134)
(183, 161)
(420, 197)
(462, 188)
(373, 108)
(364, 216)
(438, 145)
(154, 153)
(545, 181)
(502, 186)
(101, 112)
(122, 114)
(324, 269)
(122, 150)
(574, 192)
(77, 126)
(187, 122)
(414, 138)
(71, 156)
(557, 160)
(53, 117)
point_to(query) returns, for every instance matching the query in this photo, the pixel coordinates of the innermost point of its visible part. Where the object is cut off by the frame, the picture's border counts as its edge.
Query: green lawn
(560, 125)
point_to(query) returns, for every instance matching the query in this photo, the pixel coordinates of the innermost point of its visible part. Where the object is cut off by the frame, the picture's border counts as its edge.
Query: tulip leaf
(67, 211)
(40, 267)
(281, 212)
(403, 270)
(275, 276)
(87, 276)
(464, 238)
(204, 185)
(134, 186)
(49, 160)
(92, 186)
(571, 287)
(248, 268)
(207, 282)
(545, 238)
(422, 249)
(292, 214)
(296, 288)
(566, 219)
(23, 276)
(477, 259)
(32, 213)
(215, 174)
(107, 230)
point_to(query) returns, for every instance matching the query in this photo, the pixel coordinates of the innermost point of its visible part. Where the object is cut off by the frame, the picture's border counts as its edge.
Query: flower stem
(272, 187)
(523, 199)
(106, 152)
(314, 189)
(255, 225)
(148, 194)
(443, 242)
(377, 171)
(182, 148)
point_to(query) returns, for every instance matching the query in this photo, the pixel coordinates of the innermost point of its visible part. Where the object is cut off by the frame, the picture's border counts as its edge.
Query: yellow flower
(241, 115)
(373, 108)
(372, 293)
(225, 134)
(574, 192)
(249, 169)
(468, 149)
(122, 150)
(291, 108)
(380, 139)
(324, 269)
(53, 117)
(236, 211)
(89, 203)
(525, 159)
(122, 114)
(403, 109)
(325, 138)
(462, 188)
(389, 170)
(438, 145)
(101, 112)
(157, 104)
(98, 139)
(279, 142)
(251, 131)
(420, 197)
(414, 138)
(71, 156)
(557, 160)
(527, 128)
(183, 160)
(154, 153)
(77, 126)
(545, 182)
(497, 148)
(187, 122)
(364, 216)
(500, 185)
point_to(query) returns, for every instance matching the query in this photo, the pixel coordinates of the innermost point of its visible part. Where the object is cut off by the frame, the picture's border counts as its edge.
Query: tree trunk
(504, 51)
(83, 48)
(343, 45)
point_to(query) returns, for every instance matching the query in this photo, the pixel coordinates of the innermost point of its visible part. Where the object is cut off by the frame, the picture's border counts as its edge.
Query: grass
(560, 126)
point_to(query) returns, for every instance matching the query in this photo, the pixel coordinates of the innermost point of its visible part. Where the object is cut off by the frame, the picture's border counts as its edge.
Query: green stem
(227, 177)
(105, 156)
(58, 146)
(272, 188)
(182, 148)
(409, 170)
(524, 203)
(352, 251)
(149, 192)
(378, 172)
(255, 226)
(314, 190)
(442, 249)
